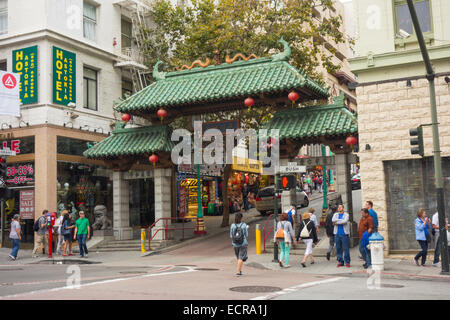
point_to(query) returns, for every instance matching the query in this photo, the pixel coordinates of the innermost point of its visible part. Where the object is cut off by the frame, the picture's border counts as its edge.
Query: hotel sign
(25, 63)
(64, 76)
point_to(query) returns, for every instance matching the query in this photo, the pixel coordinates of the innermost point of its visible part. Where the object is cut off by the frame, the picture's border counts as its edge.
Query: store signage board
(210, 170)
(21, 174)
(27, 204)
(292, 167)
(7, 152)
(25, 63)
(64, 76)
(9, 94)
(247, 165)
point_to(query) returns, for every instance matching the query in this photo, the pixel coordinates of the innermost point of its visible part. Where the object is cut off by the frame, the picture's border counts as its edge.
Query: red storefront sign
(26, 204)
(20, 174)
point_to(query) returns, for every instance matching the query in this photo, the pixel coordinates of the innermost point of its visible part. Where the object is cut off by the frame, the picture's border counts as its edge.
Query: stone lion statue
(102, 222)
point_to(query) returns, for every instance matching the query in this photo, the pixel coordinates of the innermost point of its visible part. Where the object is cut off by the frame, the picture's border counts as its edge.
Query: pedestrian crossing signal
(288, 182)
(3, 166)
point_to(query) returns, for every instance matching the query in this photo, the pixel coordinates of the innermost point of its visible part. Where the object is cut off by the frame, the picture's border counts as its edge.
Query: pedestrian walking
(291, 217)
(341, 232)
(66, 234)
(373, 214)
(307, 232)
(365, 224)
(329, 230)
(82, 232)
(239, 234)
(245, 193)
(313, 217)
(72, 233)
(421, 225)
(15, 236)
(41, 238)
(435, 232)
(59, 235)
(284, 236)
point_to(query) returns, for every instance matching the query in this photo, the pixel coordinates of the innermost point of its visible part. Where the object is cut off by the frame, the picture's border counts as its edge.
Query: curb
(195, 240)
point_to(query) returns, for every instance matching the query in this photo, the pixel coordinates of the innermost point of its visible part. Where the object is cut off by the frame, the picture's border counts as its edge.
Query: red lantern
(351, 141)
(249, 102)
(153, 159)
(161, 113)
(293, 96)
(126, 117)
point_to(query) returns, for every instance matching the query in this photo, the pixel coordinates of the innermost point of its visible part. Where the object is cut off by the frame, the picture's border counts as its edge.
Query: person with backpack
(41, 239)
(283, 237)
(15, 236)
(239, 234)
(307, 231)
(291, 217)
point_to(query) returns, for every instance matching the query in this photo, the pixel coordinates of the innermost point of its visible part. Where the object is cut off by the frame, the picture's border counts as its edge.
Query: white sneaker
(437, 264)
(12, 258)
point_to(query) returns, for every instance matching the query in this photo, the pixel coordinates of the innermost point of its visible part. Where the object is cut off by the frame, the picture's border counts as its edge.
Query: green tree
(179, 35)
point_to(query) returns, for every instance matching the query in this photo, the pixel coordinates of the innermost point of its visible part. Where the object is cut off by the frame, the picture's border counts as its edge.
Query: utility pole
(275, 217)
(436, 145)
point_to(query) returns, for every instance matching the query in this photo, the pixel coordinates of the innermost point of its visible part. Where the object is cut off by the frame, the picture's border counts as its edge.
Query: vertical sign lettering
(25, 63)
(26, 204)
(64, 76)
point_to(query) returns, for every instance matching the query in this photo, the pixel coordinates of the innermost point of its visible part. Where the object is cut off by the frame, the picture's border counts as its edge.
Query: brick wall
(386, 112)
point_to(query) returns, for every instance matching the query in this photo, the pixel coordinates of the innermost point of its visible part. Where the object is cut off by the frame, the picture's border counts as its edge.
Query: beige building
(393, 97)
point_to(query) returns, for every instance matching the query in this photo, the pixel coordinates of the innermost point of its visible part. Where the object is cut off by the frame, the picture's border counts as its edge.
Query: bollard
(142, 240)
(258, 240)
(376, 244)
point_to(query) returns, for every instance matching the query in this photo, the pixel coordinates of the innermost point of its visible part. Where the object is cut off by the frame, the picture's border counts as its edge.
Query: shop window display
(88, 188)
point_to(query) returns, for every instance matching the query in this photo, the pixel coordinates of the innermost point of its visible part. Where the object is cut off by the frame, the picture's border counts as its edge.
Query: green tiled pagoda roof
(132, 142)
(222, 83)
(315, 121)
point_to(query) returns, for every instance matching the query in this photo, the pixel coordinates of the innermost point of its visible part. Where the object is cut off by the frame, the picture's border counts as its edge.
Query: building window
(3, 65)
(90, 88)
(126, 34)
(410, 185)
(127, 88)
(3, 16)
(89, 20)
(403, 17)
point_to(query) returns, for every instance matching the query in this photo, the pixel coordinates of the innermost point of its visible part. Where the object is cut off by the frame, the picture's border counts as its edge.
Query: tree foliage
(178, 35)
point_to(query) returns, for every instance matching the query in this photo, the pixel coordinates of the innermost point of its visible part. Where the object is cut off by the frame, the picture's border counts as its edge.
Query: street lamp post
(436, 145)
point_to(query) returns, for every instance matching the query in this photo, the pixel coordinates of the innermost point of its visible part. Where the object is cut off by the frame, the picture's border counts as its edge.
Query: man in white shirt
(437, 246)
(57, 227)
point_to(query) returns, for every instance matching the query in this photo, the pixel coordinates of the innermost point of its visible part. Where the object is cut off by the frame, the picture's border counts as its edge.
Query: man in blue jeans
(82, 231)
(15, 236)
(341, 234)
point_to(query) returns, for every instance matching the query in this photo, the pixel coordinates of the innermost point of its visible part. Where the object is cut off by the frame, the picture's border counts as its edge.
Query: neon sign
(20, 174)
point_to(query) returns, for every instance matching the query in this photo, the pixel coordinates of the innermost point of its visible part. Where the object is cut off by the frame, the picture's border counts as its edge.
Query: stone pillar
(163, 200)
(344, 188)
(288, 197)
(121, 207)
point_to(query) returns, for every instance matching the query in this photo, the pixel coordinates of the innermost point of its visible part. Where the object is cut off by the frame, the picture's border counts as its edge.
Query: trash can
(376, 244)
(211, 208)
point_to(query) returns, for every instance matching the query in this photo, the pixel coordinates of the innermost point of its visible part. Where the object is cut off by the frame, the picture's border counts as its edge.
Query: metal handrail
(263, 232)
(166, 228)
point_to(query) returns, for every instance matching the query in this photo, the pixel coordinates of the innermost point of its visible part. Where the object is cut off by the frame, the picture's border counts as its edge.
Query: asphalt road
(201, 271)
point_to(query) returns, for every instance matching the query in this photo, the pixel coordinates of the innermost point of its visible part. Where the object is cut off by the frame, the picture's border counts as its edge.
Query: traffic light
(417, 141)
(3, 166)
(288, 182)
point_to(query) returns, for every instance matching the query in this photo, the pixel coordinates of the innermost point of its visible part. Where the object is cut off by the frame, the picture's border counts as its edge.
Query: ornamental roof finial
(285, 54)
(156, 73)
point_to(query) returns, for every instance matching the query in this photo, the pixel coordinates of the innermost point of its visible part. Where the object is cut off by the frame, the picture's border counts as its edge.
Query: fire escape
(132, 58)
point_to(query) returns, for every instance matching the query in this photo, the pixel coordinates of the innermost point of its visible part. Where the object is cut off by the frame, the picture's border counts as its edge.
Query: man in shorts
(240, 245)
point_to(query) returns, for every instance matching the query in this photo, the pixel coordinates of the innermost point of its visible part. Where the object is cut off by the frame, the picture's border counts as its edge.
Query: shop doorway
(142, 205)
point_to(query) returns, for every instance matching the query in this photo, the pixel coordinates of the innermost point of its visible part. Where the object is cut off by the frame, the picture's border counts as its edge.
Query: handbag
(305, 232)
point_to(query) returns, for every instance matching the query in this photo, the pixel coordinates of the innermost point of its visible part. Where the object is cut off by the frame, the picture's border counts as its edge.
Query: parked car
(356, 182)
(266, 196)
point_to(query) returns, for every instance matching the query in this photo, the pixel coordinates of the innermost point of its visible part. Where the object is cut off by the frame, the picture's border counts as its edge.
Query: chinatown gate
(214, 88)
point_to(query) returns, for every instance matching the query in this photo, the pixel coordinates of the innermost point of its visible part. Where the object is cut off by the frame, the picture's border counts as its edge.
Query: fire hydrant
(376, 245)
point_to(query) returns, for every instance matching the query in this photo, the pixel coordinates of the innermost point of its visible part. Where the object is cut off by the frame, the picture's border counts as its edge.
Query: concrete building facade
(393, 97)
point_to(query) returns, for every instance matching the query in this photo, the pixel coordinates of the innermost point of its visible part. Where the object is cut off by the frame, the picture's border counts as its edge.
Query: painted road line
(296, 288)
(189, 269)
